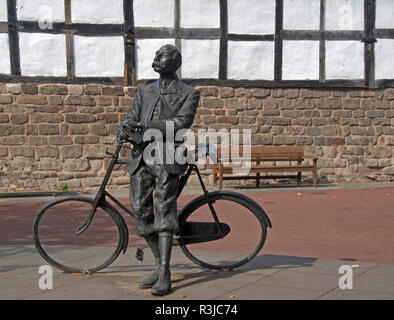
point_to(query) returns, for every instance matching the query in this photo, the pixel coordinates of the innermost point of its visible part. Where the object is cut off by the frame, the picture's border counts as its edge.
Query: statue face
(165, 61)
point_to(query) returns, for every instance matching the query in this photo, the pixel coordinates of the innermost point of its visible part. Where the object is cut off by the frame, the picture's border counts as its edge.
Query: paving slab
(266, 277)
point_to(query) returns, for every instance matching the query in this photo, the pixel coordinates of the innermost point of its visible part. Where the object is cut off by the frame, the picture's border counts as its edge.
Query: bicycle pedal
(139, 254)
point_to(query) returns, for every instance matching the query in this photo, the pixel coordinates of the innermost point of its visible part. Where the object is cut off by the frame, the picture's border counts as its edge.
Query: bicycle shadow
(261, 262)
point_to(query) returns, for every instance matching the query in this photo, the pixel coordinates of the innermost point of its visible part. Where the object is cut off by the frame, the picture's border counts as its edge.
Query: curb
(40, 194)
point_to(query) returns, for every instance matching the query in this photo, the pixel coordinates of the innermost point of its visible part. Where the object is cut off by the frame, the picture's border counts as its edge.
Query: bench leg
(215, 174)
(314, 173)
(299, 179)
(299, 175)
(258, 180)
(220, 176)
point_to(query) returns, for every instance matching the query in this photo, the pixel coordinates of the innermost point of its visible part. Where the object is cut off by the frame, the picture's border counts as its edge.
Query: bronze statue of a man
(154, 186)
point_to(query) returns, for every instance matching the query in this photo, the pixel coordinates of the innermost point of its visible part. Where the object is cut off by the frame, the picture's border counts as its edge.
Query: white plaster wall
(146, 50)
(251, 16)
(99, 56)
(200, 59)
(344, 60)
(5, 67)
(43, 54)
(384, 14)
(97, 11)
(200, 14)
(3, 10)
(153, 13)
(300, 60)
(250, 60)
(345, 15)
(40, 10)
(301, 14)
(384, 62)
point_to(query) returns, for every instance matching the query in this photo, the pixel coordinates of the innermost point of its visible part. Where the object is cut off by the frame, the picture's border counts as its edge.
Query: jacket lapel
(152, 103)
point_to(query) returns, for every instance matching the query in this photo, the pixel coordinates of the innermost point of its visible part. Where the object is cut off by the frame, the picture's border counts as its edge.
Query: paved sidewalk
(315, 231)
(266, 277)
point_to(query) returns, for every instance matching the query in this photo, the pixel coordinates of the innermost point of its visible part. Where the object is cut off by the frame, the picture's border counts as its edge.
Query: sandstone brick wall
(54, 135)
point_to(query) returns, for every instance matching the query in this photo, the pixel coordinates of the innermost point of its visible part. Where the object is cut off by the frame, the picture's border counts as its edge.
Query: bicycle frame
(102, 193)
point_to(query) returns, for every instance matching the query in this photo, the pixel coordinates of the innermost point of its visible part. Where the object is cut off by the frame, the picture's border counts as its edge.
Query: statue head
(167, 59)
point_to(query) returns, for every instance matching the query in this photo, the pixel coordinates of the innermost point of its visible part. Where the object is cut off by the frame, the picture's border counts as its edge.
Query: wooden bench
(263, 159)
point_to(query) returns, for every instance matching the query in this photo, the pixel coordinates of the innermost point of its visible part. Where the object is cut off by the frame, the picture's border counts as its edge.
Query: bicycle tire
(233, 200)
(58, 206)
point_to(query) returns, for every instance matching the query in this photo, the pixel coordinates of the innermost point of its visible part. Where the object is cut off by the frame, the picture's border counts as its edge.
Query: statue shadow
(261, 262)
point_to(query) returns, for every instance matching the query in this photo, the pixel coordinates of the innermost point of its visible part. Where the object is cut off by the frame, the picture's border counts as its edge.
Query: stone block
(14, 88)
(3, 152)
(351, 104)
(98, 129)
(38, 141)
(94, 152)
(211, 102)
(389, 94)
(49, 165)
(292, 93)
(108, 118)
(209, 91)
(261, 93)
(105, 101)
(86, 139)
(75, 89)
(80, 118)
(329, 103)
(60, 140)
(15, 140)
(31, 99)
(56, 89)
(242, 92)
(46, 118)
(48, 129)
(24, 151)
(226, 92)
(388, 170)
(76, 165)
(4, 118)
(5, 99)
(92, 89)
(47, 152)
(112, 91)
(55, 100)
(284, 140)
(71, 152)
(230, 120)
(235, 103)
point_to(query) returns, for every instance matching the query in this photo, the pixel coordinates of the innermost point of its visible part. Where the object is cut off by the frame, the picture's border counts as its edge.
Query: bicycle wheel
(56, 240)
(247, 224)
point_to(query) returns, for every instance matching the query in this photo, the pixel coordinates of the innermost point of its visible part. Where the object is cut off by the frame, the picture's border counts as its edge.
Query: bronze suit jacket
(179, 105)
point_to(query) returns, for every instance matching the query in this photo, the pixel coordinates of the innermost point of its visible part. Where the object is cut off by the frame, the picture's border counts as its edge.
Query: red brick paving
(335, 224)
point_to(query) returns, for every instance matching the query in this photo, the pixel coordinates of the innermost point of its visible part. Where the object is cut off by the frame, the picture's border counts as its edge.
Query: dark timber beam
(129, 43)
(278, 40)
(13, 36)
(369, 42)
(223, 50)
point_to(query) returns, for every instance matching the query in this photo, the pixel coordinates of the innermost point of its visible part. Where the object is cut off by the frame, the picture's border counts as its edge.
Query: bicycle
(210, 234)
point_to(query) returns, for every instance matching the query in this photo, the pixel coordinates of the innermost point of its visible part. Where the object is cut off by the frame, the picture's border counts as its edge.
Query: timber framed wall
(273, 36)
